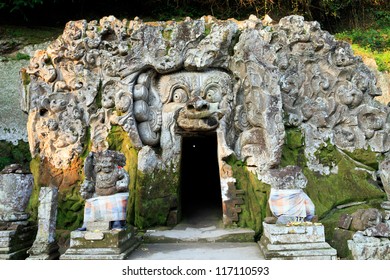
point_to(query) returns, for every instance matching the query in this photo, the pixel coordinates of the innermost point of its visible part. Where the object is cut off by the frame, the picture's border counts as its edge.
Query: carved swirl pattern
(292, 73)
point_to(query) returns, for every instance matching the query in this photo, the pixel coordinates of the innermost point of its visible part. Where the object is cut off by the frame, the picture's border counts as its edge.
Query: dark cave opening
(200, 181)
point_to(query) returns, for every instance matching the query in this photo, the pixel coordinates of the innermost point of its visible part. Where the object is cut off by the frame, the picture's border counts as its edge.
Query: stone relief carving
(242, 80)
(105, 188)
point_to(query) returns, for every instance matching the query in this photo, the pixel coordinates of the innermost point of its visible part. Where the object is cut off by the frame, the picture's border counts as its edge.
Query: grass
(30, 35)
(373, 42)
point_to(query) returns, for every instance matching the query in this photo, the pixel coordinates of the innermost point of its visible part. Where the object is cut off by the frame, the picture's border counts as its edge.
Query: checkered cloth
(106, 208)
(290, 203)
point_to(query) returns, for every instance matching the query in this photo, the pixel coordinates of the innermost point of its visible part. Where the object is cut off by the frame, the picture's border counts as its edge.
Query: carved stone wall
(239, 79)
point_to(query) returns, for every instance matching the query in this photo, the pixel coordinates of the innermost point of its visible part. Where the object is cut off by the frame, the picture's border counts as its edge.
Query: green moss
(207, 30)
(32, 207)
(256, 194)
(167, 34)
(367, 157)
(293, 149)
(337, 237)
(156, 194)
(70, 212)
(328, 155)
(119, 140)
(348, 185)
(10, 153)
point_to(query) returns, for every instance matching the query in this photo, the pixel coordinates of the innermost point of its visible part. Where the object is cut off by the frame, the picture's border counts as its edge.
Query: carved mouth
(197, 120)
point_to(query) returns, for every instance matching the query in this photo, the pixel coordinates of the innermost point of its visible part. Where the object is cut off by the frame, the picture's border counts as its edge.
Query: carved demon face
(195, 97)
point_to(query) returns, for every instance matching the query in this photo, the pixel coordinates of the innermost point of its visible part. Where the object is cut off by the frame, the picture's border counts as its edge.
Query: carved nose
(198, 104)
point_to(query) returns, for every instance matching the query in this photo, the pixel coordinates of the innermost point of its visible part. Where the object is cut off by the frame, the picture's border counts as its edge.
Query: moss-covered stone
(293, 149)
(366, 157)
(348, 185)
(256, 194)
(156, 195)
(33, 204)
(328, 155)
(336, 237)
(119, 140)
(70, 212)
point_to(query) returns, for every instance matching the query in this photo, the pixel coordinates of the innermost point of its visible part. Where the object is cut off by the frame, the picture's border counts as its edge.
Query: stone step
(208, 234)
(100, 253)
(308, 251)
(198, 251)
(290, 247)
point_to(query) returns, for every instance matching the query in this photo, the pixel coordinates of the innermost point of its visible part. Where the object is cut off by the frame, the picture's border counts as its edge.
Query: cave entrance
(200, 182)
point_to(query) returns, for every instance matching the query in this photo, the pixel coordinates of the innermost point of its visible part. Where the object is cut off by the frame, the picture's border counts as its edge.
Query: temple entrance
(200, 183)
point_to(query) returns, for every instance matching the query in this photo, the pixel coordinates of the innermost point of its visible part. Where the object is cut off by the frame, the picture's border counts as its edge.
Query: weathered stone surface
(94, 236)
(15, 191)
(44, 246)
(160, 82)
(345, 221)
(293, 234)
(365, 218)
(104, 245)
(15, 242)
(369, 248)
(295, 242)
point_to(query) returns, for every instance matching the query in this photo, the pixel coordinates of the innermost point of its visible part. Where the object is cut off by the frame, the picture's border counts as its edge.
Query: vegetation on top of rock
(372, 42)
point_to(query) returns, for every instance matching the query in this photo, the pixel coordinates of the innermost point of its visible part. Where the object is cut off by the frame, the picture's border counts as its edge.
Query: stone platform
(303, 242)
(101, 245)
(16, 240)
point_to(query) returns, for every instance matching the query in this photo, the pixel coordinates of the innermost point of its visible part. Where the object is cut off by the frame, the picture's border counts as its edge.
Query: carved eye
(179, 95)
(213, 94)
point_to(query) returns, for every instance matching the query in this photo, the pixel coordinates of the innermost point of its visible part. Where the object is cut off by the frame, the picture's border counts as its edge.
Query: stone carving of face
(198, 97)
(349, 95)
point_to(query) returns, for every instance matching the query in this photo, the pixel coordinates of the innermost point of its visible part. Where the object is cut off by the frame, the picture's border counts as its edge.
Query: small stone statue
(105, 189)
(287, 200)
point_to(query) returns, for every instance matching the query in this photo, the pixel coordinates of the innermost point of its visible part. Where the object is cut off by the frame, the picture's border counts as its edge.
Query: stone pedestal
(15, 240)
(369, 248)
(101, 245)
(280, 242)
(16, 233)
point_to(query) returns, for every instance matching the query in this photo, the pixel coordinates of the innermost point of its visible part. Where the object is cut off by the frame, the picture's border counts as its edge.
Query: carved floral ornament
(240, 78)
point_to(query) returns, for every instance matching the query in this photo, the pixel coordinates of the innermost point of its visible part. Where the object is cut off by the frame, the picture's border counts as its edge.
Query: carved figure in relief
(105, 189)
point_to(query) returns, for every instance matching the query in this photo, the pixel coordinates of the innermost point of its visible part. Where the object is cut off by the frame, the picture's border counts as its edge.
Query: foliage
(10, 153)
(372, 42)
(329, 12)
(13, 5)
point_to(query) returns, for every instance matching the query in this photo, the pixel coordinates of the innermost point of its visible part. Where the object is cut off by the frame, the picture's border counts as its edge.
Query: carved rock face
(240, 79)
(198, 96)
